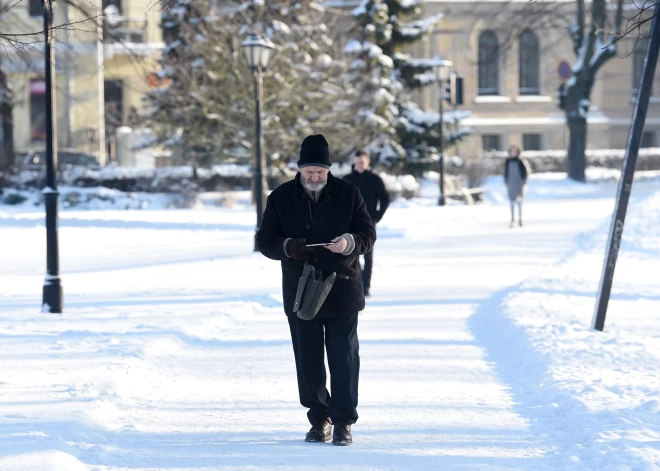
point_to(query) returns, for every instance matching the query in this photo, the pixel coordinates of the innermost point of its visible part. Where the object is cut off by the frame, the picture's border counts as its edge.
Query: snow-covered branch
(577, 27)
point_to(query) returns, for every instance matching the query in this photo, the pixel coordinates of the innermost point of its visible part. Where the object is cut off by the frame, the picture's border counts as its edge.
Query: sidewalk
(185, 363)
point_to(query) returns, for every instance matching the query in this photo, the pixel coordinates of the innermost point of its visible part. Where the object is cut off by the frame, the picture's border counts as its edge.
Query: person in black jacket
(376, 198)
(317, 208)
(516, 174)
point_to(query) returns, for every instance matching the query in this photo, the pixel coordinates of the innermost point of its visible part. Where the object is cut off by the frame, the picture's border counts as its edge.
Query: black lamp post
(258, 50)
(52, 292)
(442, 69)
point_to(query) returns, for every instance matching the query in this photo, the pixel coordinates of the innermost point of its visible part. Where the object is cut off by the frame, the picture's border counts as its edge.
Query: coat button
(308, 226)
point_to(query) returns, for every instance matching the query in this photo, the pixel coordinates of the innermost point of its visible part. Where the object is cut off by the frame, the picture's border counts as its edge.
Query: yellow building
(511, 75)
(110, 75)
(513, 97)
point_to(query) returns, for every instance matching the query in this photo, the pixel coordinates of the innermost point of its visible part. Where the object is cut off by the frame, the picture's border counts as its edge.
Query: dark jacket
(521, 164)
(290, 212)
(373, 191)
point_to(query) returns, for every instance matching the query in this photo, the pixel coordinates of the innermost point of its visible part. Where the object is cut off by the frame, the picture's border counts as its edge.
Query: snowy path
(174, 353)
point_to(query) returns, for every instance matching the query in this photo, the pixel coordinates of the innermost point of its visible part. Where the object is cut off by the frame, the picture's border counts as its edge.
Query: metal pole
(100, 56)
(258, 157)
(52, 291)
(627, 173)
(441, 200)
(67, 77)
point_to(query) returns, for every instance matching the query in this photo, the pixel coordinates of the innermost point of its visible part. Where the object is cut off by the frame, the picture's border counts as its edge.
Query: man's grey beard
(313, 187)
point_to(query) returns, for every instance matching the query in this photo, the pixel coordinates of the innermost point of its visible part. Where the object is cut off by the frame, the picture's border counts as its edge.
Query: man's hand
(338, 245)
(296, 249)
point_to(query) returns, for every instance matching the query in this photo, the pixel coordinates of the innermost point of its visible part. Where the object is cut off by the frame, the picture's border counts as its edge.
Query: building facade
(99, 84)
(511, 74)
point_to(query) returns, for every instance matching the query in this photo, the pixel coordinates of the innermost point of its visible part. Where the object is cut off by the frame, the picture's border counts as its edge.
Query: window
(489, 69)
(638, 63)
(528, 64)
(36, 7)
(531, 142)
(38, 110)
(491, 142)
(114, 110)
(648, 139)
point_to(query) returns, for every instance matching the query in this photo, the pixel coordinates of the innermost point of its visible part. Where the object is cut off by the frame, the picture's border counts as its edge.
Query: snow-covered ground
(174, 353)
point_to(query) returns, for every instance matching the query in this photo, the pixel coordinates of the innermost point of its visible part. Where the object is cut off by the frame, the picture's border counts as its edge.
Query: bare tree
(594, 31)
(593, 48)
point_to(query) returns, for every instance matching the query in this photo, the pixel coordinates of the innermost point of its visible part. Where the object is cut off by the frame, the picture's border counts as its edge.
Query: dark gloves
(296, 249)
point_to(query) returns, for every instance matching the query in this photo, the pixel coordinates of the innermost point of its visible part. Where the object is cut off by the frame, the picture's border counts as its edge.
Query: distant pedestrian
(516, 173)
(376, 198)
(321, 221)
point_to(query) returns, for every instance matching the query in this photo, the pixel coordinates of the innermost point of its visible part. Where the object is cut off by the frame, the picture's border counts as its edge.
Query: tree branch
(606, 52)
(577, 28)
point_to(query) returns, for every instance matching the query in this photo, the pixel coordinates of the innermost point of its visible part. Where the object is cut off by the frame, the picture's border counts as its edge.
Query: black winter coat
(373, 191)
(521, 164)
(290, 212)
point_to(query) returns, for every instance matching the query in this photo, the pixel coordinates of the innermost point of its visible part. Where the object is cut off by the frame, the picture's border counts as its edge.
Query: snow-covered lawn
(174, 353)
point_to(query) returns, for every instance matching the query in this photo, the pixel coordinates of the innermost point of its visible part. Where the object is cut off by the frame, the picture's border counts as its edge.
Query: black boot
(320, 432)
(342, 435)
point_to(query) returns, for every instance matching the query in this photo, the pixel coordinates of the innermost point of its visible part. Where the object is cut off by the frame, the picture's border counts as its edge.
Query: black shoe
(320, 432)
(342, 435)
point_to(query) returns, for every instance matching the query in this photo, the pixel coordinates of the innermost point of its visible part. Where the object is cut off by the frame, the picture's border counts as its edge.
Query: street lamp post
(52, 291)
(442, 70)
(258, 51)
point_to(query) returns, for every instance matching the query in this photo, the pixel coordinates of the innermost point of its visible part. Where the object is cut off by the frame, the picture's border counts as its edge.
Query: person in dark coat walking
(317, 208)
(376, 198)
(516, 173)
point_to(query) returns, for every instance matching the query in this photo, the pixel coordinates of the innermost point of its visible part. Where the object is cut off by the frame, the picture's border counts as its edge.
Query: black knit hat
(314, 151)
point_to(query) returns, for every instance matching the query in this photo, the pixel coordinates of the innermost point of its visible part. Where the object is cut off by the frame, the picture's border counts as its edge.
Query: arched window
(528, 66)
(489, 60)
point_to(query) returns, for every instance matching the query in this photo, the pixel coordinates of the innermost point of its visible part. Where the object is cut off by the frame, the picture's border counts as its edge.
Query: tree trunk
(6, 138)
(576, 160)
(577, 109)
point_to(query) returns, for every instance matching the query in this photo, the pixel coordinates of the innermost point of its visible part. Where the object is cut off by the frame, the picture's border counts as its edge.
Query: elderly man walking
(322, 221)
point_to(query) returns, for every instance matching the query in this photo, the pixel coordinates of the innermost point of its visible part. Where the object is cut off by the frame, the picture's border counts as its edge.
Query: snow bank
(595, 395)
(43, 461)
(90, 199)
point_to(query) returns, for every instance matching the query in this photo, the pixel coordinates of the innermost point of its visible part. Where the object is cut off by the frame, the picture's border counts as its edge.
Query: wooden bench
(467, 195)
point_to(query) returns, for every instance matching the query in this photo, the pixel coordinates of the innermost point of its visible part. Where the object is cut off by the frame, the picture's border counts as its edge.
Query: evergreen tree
(397, 127)
(374, 85)
(205, 106)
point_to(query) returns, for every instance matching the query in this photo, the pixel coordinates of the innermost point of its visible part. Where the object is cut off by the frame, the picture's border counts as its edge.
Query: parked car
(66, 159)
